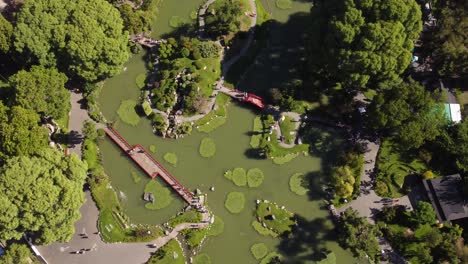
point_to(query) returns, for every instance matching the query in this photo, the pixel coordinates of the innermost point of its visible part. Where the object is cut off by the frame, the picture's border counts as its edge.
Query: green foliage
(147, 108)
(84, 39)
(449, 40)
(235, 202)
(20, 132)
(222, 18)
(263, 230)
(140, 80)
(202, 259)
(193, 15)
(208, 49)
(190, 216)
(195, 236)
(158, 122)
(277, 219)
(329, 258)
(217, 228)
(207, 148)
(298, 184)
(56, 183)
(90, 153)
(428, 175)
(257, 130)
(171, 158)
(127, 112)
(343, 181)
(259, 250)
(89, 130)
(6, 32)
(255, 177)
(424, 214)
(162, 195)
(139, 20)
(358, 42)
(283, 4)
(18, 254)
(456, 143)
(356, 233)
(42, 90)
(171, 253)
(239, 177)
(407, 109)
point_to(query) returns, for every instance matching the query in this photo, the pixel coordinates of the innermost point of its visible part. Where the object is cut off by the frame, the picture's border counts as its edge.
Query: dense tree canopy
(41, 194)
(82, 38)
(6, 31)
(456, 143)
(42, 90)
(359, 41)
(20, 133)
(409, 110)
(357, 234)
(450, 41)
(16, 253)
(223, 18)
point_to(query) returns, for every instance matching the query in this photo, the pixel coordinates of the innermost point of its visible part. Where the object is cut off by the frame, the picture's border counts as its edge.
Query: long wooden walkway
(152, 167)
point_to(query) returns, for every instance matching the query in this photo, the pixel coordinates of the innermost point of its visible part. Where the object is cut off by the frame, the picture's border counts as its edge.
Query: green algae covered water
(232, 150)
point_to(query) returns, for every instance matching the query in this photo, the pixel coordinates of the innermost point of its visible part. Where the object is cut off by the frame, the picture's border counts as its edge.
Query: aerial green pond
(195, 171)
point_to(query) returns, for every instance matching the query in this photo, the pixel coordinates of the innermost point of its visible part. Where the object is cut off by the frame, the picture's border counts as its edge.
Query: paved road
(78, 114)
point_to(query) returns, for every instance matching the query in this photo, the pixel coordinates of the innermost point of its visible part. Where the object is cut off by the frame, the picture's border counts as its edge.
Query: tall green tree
(357, 234)
(42, 90)
(355, 42)
(450, 40)
(423, 214)
(83, 38)
(456, 143)
(20, 133)
(6, 31)
(16, 253)
(41, 194)
(407, 109)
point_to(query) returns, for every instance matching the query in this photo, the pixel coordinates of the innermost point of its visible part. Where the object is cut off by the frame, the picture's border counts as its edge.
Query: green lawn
(202, 259)
(277, 219)
(191, 216)
(263, 230)
(171, 253)
(257, 132)
(215, 118)
(393, 166)
(217, 227)
(287, 127)
(270, 257)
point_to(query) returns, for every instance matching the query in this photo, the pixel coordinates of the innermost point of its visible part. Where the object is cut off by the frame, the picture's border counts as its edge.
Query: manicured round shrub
(296, 184)
(239, 177)
(259, 250)
(207, 148)
(140, 80)
(255, 177)
(162, 195)
(284, 4)
(235, 202)
(217, 227)
(127, 112)
(171, 158)
(202, 259)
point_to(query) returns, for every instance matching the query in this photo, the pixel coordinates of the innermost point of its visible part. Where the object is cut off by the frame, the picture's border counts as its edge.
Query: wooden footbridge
(152, 167)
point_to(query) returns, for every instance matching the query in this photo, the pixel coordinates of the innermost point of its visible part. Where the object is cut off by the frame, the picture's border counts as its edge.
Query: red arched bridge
(243, 96)
(152, 167)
